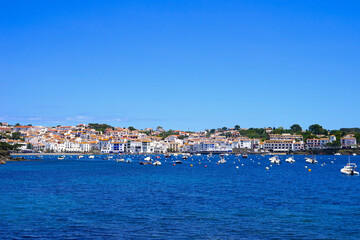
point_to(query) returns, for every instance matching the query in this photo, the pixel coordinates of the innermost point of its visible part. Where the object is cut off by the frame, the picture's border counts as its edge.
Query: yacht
(157, 163)
(290, 159)
(178, 162)
(311, 160)
(349, 169)
(120, 160)
(275, 160)
(91, 157)
(61, 157)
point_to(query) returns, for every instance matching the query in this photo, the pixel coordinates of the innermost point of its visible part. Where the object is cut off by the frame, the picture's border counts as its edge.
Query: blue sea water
(104, 199)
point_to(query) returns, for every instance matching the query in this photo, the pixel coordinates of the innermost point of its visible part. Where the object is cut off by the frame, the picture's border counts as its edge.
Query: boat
(290, 159)
(120, 160)
(185, 157)
(178, 162)
(128, 160)
(221, 161)
(91, 157)
(108, 158)
(167, 156)
(244, 155)
(337, 154)
(145, 163)
(61, 157)
(311, 160)
(349, 169)
(157, 163)
(354, 154)
(148, 159)
(81, 156)
(275, 160)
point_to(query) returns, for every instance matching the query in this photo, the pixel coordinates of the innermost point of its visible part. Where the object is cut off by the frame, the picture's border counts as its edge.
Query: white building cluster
(82, 139)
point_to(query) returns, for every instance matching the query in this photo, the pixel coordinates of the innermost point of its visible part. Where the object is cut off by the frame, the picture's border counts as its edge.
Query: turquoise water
(103, 199)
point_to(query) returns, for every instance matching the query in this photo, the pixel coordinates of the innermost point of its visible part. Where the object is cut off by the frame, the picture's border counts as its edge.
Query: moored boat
(311, 160)
(275, 160)
(349, 169)
(290, 159)
(157, 163)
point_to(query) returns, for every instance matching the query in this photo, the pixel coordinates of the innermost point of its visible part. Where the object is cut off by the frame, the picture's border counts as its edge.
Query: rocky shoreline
(6, 157)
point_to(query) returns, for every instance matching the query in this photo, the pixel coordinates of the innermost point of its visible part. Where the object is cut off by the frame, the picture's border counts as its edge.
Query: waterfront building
(348, 141)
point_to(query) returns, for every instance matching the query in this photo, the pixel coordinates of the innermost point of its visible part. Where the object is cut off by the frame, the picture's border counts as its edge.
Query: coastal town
(105, 139)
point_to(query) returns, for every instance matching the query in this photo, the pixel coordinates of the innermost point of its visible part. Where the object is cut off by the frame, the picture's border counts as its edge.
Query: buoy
(258, 163)
(267, 168)
(242, 164)
(205, 165)
(237, 167)
(191, 165)
(174, 164)
(305, 166)
(199, 162)
(309, 170)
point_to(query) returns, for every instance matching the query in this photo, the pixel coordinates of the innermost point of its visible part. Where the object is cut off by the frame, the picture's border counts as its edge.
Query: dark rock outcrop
(5, 156)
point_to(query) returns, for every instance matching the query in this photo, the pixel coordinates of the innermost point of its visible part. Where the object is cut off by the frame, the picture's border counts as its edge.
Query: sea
(101, 198)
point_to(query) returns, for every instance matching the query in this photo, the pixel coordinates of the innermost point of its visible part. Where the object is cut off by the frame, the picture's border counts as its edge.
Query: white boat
(185, 157)
(120, 160)
(147, 159)
(81, 156)
(311, 160)
(91, 156)
(290, 159)
(128, 160)
(178, 162)
(275, 160)
(157, 163)
(222, 160)
(337, 154)
(61, 157)
(354, 154)
(349, 169)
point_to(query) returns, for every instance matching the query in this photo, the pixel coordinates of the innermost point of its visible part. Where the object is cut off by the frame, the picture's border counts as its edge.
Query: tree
(18, 124)
(224, 128)
(29, 125)
(237, 127)
(131, 128)
(357, 136)
(296, 128)
(15, 136)
(317, 129)
(159, 129)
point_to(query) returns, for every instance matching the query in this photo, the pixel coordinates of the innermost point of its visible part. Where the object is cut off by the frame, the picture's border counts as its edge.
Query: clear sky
(180, 64)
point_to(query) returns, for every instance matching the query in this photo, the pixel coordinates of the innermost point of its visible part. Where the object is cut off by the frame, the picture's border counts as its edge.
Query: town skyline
(104, 139)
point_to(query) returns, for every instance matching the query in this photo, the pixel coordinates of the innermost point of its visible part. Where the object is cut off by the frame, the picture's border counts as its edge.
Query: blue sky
(180, 64)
